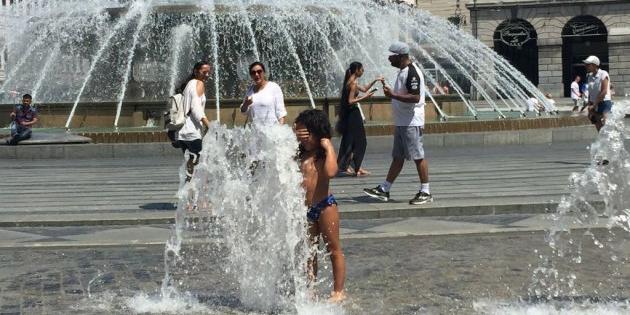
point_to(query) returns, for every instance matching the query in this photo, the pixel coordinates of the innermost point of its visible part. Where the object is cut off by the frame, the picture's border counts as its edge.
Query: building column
(550, 67)
(619, 64)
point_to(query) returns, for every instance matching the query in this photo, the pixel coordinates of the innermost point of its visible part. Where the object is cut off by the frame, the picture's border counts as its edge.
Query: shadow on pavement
(159, 206)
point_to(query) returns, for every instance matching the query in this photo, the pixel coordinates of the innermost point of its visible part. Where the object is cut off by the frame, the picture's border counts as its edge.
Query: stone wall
(445, 9)
(548, 19)
(135, 114)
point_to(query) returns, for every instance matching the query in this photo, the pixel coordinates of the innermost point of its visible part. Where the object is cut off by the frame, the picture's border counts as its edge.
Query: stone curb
(533, 208)
(130, 150)
(492, 231)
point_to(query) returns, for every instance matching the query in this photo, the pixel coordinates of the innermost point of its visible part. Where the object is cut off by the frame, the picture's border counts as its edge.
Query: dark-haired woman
(194, 101)
(264, 101)
(350, 125)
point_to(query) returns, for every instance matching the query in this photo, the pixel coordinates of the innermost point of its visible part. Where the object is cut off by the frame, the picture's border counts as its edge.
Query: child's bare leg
(311, 268)
(329, 227)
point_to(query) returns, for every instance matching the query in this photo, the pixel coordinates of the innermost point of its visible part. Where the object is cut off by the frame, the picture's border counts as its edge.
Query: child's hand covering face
(301, 132)
(304, 136)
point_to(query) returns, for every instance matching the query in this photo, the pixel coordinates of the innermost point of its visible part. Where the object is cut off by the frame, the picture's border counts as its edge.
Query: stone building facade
(547, 40)
(452, 10)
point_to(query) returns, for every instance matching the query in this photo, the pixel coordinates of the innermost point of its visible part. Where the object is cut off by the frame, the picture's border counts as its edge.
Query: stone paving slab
(464, 181)
(151, 234)
(453, 274)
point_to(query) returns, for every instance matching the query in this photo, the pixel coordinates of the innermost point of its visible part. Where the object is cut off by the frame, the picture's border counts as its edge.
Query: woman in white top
(599, 98)
(194, 99)
(264, 101)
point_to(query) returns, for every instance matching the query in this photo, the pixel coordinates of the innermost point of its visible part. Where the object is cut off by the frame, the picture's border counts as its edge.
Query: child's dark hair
(317, 123)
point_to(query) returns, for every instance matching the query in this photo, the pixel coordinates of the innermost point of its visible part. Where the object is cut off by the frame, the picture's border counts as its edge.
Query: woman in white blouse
(194, 101)
(264, 101)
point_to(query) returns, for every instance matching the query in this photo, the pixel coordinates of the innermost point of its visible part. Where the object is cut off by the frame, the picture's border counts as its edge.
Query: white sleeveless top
(195, 107)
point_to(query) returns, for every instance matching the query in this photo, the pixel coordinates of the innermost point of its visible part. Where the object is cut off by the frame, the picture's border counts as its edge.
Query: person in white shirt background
(532, 104)
(550, 106)
(599, 96)
(264, 102)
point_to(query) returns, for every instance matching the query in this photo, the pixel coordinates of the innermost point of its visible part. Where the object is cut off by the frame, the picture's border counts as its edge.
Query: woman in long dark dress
(350, 124)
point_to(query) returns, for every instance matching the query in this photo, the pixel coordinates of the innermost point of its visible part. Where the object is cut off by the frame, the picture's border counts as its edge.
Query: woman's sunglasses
(255, 72)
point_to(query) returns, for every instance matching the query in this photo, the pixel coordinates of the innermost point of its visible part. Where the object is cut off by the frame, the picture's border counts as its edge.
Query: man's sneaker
(421, 198)
(377, 193)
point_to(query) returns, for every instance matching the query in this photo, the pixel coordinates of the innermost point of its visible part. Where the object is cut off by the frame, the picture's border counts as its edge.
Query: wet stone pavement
(411, 275)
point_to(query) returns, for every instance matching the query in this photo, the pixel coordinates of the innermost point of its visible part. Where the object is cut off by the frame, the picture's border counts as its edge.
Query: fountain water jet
(178, 42)
(293, 53)
(21, 62)
(119, 25)
(123, 88)
(248, 23)
(45, 69)
(306, 58)
(454, 84)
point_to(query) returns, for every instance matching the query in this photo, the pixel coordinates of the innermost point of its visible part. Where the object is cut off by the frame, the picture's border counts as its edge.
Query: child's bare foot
(337, 297)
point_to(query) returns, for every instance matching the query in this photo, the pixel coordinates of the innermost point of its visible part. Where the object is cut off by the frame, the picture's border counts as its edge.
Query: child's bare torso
(315, 182)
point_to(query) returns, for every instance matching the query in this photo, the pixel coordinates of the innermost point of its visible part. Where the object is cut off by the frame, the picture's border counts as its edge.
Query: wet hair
(345, 94)
(257, 63)
(27, 96)
(317, 124)
(196, 68)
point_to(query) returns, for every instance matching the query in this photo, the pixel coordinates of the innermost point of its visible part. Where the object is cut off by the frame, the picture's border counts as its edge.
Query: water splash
(600, 198)
(246, 197)
(489, 307)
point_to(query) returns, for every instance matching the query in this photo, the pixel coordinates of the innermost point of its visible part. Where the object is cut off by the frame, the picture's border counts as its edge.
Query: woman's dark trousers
(353, 142)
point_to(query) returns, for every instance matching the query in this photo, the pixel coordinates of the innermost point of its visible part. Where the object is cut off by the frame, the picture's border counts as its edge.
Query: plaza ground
(77, 227)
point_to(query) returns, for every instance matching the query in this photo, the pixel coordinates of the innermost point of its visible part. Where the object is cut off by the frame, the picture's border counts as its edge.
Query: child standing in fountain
(318, 163)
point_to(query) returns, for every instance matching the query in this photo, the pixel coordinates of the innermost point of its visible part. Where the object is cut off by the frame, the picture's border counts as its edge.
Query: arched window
(582, 36)
(516, 41)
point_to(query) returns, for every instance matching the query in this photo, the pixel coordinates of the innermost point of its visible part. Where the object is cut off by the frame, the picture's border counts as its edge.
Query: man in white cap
(407, 97)
(599, 97)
